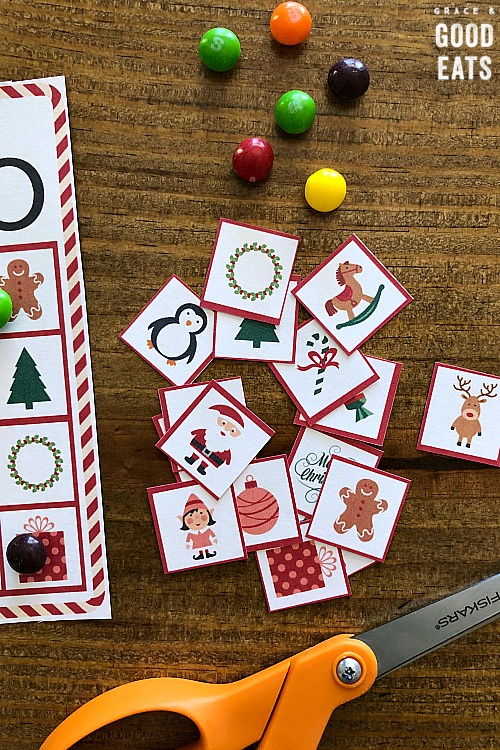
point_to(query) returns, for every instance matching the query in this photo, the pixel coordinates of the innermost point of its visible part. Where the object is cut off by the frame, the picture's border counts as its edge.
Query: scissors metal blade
(401, 641)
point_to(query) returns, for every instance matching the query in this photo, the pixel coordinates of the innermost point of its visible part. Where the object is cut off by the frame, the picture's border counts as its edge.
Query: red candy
(253, 159)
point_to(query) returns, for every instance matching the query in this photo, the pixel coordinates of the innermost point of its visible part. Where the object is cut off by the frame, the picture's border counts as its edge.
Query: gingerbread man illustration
(21, 287)
(361, 506)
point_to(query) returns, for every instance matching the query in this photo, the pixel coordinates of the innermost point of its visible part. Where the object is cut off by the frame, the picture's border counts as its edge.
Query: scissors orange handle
(286, 706)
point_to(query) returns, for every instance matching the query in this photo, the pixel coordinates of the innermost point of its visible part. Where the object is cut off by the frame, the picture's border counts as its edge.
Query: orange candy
(290, 23)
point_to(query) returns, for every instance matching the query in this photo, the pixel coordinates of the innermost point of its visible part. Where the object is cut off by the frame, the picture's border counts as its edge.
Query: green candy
(295, 111)
(5, 308)
(219, 49)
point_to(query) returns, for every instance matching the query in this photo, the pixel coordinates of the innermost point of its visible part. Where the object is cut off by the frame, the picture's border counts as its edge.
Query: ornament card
(49, 472)
(249, 271)
(462, 415)
(352, 294)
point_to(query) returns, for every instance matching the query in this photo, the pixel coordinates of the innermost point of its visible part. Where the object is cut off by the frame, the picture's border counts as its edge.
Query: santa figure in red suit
(197, 520)
(211, 445)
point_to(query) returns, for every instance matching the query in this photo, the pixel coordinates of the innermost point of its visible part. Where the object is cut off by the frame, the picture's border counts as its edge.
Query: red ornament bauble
(253, 159)
(258, 509)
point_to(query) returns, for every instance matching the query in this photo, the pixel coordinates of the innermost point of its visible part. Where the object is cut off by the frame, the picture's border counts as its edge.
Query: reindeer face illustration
(467, 424)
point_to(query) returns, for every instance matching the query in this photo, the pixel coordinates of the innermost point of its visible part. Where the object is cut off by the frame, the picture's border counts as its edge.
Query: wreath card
(249, 271)
(462, 415)
(352, 294)
(173, 333)
(244, 338)
(358, 508)
(322, 377)
(215, 439)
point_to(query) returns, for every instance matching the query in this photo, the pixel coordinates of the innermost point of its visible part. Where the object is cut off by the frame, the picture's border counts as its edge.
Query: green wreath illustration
(277, 276)
(12, 465)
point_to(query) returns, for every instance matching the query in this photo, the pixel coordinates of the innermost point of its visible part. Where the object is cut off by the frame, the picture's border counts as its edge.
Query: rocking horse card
(215, 439)
(322, 377)
(352, 294)
(194, 531)
(358, 508)
(249, 271)
(366, 415)
(462, 415)
(173, 333)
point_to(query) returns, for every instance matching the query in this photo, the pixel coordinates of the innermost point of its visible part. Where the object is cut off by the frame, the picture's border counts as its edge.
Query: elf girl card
(352, 294)
(249, 271)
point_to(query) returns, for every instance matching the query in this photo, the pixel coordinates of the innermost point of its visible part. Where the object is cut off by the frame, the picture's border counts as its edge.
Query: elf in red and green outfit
(197, 519)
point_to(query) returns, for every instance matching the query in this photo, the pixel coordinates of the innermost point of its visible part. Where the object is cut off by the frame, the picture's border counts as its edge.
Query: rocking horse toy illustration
(351, 296)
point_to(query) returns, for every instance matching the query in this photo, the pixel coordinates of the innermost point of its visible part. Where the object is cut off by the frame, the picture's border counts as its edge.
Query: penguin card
(215, 439)
(352, 294)
(322, 377)
(358, 508)
(365, 416)
(173, 333)
(265, 504)
(193, 530)
(244, 338)
(249, 272)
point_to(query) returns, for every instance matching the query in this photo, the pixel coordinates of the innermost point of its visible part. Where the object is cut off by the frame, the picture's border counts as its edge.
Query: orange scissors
(287, 707)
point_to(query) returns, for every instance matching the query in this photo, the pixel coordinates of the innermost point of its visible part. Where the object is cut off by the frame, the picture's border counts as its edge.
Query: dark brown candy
(26, 554)
(348, 78)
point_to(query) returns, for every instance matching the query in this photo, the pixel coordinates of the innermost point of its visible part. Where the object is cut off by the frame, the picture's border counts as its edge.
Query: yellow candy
(325, 190)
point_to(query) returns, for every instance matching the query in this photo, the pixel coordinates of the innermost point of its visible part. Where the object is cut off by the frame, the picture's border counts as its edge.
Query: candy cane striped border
(79, 337)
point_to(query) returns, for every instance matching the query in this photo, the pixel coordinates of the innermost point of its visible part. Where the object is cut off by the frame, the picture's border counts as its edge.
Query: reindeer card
(358, 508)
(364, 416)
(310, 458)
(264, 500)
(249, 271)
(322, 377)
(173, 333)
(194, 531)
(352, 294)
(215, 439)
(244, 338)
(462, 415)
(302, 573)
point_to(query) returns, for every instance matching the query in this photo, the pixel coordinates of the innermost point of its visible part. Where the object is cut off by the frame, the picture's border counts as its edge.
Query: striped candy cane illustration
(321, 359)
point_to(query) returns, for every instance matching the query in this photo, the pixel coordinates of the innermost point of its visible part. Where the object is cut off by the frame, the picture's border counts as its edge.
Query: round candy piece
(348, 78)
(26, 554)
(219, 49)
(295, 111)
(5, 308)
(290, 23)
(325, 190)
(253, 159)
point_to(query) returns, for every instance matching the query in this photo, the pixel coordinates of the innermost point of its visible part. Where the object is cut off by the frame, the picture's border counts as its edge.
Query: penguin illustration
(177, 334)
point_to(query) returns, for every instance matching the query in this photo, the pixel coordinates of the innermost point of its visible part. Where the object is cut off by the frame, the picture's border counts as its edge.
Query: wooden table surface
(153, 134)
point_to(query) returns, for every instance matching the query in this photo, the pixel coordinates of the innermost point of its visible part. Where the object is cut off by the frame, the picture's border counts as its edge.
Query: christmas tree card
(265, 504)
(249, 271)
(244, 338)
(322, 377)
(173, 333)
(352, 294)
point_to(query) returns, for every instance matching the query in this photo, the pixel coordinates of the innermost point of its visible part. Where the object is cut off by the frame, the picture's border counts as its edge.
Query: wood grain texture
(153, 134)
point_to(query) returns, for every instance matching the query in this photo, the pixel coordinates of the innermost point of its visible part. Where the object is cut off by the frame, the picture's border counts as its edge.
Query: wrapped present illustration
(55, 568)
(300, 567)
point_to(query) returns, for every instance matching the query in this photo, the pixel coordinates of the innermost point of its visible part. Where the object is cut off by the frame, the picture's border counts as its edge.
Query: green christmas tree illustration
(257, 332)
(27, 387)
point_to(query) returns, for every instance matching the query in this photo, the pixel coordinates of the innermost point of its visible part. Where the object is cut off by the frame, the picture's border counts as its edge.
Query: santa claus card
(194, 531)
(244, 338)
(215, 439)
(173, 333)
(365, 416)
(265, 504)
(352, 294)
(249, 271)
(358, 508)
(322, 377)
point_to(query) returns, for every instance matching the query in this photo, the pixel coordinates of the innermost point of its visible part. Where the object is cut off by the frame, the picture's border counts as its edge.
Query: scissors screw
(349, 670)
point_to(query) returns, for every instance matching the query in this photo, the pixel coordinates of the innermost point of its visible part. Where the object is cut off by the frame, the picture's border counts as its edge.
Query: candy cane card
(215, 439)
(352, 294)
(358, 508)
(173, 333)
(462, 415)
(322, 377)
(265, 504)
(249, 271)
